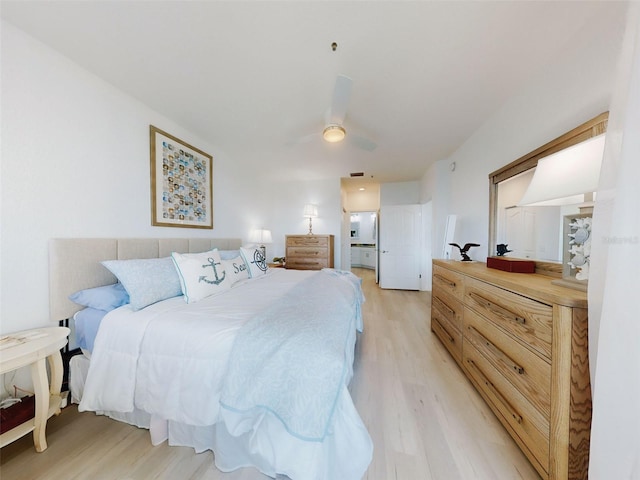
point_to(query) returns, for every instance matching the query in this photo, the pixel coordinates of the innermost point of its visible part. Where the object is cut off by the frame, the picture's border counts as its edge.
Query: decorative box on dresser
(309, 252)
(523, 344)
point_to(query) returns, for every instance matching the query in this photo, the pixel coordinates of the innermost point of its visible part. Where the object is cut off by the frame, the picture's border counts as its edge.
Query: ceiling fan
(334, 130)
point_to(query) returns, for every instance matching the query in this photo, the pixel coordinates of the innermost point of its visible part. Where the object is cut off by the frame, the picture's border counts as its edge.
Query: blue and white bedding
(278, 363)
(178, 363)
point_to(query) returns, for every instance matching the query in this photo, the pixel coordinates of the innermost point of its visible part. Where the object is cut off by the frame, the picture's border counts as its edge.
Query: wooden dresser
(523, 344)
(309, 252)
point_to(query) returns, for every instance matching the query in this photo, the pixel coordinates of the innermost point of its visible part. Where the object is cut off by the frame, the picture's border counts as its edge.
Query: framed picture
(181, 183)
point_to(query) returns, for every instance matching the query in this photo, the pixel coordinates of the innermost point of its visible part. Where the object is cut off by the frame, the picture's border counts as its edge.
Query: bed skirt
(345, 453)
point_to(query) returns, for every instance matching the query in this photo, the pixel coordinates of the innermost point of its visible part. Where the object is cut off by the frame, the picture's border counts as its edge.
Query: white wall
(435, 187)
(364, 201)
(572, 90)
(75, 162)
(400, 193)
(287, 206)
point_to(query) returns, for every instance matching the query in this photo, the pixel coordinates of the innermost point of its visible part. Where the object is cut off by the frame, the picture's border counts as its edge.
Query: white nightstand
(34, 348)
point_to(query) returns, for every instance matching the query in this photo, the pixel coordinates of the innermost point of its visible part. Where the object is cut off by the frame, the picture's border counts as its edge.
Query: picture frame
(181, 183)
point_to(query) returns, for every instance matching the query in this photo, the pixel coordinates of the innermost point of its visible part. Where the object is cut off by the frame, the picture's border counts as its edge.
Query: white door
(519, 227)
(400, 227)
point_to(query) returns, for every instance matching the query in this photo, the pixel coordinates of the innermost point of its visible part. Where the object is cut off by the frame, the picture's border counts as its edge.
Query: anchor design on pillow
(218, 280)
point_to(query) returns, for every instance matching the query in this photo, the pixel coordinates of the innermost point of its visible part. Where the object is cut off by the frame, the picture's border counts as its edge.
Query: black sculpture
(502, 249)
(465, 249)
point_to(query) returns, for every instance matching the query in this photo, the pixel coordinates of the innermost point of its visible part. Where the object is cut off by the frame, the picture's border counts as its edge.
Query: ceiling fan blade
(305, 139)
(362, 142)
(340, 100)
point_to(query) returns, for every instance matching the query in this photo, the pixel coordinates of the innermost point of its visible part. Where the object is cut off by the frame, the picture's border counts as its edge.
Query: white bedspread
(160, 359)
(169, 360)
(278, 363)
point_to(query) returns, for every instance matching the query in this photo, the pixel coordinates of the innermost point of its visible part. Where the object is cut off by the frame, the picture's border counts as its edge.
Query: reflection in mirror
(363, 228)
(534, 233)
(530, 232)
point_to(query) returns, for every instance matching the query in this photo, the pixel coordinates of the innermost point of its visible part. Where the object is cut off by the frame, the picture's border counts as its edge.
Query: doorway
(363, 238)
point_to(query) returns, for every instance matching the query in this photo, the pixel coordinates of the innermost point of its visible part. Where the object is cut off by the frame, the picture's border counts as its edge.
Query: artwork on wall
(181, 183)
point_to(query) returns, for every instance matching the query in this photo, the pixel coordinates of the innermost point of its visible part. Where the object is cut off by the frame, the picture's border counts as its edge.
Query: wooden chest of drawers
(309, 252)
(523, 344)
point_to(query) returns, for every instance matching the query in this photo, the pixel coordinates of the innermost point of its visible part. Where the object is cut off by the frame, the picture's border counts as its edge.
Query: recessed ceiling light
(361, 189)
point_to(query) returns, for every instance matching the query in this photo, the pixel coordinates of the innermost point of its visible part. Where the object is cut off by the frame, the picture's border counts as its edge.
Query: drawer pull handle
(499, 353)
(444, 330)
(443, 306)
(445, 280)
(503, 312)
(512, 411)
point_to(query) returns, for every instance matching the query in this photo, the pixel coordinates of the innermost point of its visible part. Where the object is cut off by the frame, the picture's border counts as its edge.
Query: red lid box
(511, 264)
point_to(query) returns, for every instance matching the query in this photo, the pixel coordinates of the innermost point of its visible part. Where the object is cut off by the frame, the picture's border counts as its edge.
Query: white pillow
(147, 280)
(255, 260)
(236, 269)
(201, 274)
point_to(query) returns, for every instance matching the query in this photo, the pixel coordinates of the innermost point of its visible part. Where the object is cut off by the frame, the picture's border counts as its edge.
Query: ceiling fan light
(334, 133)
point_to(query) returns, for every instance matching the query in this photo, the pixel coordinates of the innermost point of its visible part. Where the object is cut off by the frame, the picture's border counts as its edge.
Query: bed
(257, 371)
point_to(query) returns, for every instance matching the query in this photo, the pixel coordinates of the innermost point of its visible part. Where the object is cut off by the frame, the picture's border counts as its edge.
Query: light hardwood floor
(425, 419)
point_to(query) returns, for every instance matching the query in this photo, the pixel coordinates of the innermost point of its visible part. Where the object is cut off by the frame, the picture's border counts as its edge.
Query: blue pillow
(87, 322)
(101, 298)
(146, 280)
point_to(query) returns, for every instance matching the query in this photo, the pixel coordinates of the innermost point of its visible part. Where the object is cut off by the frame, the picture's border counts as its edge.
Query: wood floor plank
(425, 419)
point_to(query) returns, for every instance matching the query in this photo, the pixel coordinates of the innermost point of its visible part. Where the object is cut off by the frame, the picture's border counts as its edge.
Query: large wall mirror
(533, 233)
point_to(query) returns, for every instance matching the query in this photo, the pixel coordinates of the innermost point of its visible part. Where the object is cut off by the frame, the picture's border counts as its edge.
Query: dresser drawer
(448, 305)
(450, 336)
(307, 241)
(527, 371)
(449, 281)
(304, 263)
(308, 252)
(530, 428)
(526, 319)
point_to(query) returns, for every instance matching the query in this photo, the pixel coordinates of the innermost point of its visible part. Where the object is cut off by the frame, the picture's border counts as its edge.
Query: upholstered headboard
(74, 263)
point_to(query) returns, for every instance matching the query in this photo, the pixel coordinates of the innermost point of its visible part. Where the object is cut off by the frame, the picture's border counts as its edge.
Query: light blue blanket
(293, 359)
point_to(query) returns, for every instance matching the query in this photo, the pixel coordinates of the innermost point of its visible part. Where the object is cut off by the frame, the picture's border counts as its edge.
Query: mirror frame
(589, 129)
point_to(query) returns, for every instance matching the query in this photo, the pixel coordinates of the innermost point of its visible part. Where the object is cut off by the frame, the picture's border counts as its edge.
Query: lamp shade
(261, 236)
(564, 177)
(310, 211)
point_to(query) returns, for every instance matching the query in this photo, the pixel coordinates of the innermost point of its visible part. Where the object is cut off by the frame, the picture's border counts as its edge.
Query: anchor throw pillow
(201, 274)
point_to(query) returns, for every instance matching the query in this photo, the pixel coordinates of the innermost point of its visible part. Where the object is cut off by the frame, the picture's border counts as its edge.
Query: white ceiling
(253, 78)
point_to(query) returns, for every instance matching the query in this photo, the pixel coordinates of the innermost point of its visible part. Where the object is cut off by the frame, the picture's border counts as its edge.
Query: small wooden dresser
(523, 344)
(309, 252)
